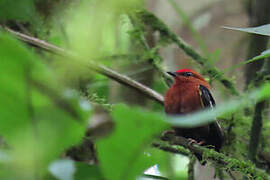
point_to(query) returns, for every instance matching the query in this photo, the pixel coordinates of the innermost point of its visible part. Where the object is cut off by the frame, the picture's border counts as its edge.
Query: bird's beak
(173, 74)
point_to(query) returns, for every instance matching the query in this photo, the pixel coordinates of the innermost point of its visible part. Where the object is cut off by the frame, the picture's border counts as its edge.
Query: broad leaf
(122, 154)
(87, 172)
(38, 117)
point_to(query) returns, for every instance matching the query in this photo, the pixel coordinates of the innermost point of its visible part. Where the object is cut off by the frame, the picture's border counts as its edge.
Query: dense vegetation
(63, 117)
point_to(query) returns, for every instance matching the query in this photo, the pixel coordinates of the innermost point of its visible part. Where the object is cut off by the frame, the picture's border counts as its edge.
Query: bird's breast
(182, 99)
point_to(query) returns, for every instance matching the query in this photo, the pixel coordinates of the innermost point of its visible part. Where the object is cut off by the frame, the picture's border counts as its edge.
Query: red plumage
(190, 92)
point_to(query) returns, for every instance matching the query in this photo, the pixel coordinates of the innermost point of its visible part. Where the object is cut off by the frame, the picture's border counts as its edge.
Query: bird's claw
(192, 141)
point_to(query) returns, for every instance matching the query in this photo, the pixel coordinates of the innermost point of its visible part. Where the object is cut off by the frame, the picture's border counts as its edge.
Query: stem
(125, 80)
(256, 131)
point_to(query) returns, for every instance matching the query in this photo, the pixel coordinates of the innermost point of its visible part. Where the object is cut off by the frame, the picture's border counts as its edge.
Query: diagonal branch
(170, 37)
(93, 66)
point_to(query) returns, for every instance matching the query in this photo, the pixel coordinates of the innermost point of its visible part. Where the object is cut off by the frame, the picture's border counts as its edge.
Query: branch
(228, 163)
(125, 80)
(169, 148)
(170, 37)
(155, 58)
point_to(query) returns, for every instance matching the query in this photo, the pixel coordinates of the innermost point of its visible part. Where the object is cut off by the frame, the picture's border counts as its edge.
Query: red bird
(189, 93)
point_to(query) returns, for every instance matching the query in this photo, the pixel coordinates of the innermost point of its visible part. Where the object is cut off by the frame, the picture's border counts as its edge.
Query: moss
(168, 37)
(245, 167)
(94, 98)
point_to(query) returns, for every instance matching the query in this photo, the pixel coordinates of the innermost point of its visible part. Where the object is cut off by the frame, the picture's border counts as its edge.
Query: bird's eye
(187, 74)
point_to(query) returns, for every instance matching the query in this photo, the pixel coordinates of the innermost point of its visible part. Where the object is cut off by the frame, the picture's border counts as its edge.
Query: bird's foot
(192, 141)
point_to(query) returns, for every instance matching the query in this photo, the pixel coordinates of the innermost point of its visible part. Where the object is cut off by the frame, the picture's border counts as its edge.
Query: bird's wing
(206, 97)
(215, 129)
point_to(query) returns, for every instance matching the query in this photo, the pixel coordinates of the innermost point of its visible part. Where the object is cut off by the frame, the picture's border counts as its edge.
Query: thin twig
(93, 66)
(156, 57)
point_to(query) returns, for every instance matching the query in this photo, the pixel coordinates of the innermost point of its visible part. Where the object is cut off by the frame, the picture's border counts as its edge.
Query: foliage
(39, 118)
(17, 10)
(46, 101)
(127, 143)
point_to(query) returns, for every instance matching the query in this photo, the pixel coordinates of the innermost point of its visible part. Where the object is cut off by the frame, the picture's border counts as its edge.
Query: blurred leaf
(209, 115)
(38, 117)
(87, 172)
(22, 10)
(122, 154)
(66, 169)
(262, 30)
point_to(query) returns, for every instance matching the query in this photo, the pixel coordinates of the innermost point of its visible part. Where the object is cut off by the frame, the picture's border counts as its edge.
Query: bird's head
(187, 75)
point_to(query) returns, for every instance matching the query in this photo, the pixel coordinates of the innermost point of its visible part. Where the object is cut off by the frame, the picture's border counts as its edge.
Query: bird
(189, 93)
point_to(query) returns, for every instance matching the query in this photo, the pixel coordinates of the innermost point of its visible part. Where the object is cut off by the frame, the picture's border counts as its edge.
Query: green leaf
(122, 154)
(87, 172)
(39, 118)
(262, 30)
(209, 115)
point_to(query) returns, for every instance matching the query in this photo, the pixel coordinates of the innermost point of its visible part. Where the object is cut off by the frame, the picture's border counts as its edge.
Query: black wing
(216, 134)
(207, 98)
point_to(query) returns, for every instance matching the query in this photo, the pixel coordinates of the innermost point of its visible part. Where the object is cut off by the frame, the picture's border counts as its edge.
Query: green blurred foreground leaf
(122, 154)
(209, 115)
(39, 119)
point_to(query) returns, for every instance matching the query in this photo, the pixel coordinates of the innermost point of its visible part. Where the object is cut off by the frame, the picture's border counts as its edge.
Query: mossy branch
(247, 168)
(150, 53)
(168, 36)
(165, 146)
